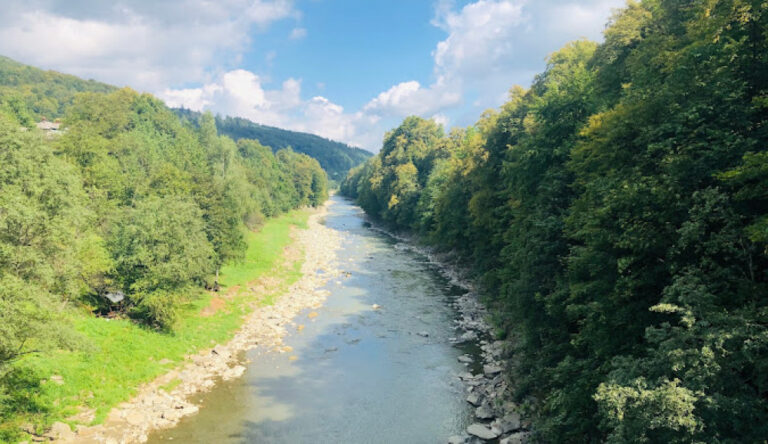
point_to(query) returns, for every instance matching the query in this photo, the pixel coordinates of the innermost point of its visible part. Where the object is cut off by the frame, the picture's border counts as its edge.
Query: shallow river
(356, 375)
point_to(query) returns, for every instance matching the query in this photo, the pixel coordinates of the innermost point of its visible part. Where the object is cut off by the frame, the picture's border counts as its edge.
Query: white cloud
(242, 93)
(298, 33)
(481, 37)
(441, 119)
(490, 46)
(146, 44)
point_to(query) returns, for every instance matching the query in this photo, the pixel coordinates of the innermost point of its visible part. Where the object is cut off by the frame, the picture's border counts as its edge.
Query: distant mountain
(44, 94)
(335, 157)
(35, 94)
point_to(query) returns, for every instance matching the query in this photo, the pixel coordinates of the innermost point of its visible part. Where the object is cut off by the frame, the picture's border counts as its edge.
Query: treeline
(336, 158)
(617, 213)
(127, 202)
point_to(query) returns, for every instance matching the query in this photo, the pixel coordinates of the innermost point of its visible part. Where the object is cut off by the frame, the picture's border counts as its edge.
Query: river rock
(516, 438)
(423, 334)
(135, 418)
(492, 369)
(482, 431)
(467, 337)
(61, 431)
(466, 359)
(510, 422)
(456, 439)
(474, 399)
(233, 373)
(484, 412)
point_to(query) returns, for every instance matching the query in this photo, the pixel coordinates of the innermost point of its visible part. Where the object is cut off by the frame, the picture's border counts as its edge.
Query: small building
(49, 128)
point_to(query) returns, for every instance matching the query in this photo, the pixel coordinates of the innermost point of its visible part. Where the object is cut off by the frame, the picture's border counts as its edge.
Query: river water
(356, 374)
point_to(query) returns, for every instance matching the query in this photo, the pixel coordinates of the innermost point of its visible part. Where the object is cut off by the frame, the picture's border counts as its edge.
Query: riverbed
(374, 364)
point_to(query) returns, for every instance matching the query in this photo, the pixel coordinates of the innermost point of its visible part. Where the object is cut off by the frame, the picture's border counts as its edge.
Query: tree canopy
(616, 214)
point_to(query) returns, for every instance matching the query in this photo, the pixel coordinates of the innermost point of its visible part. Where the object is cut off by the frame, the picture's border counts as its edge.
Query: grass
(120, 355)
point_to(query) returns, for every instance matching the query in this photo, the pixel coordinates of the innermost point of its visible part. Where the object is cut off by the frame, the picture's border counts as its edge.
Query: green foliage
(335, 158)
(126, 198)
(617, 213)
(123, 354)
(41, 93)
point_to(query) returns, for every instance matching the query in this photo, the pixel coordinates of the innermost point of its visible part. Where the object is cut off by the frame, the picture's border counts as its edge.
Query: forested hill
(34, 94)
(617, 215)
(41, 94)
(335, 157)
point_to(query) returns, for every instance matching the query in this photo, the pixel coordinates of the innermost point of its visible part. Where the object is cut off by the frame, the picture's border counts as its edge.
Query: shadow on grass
(20, 396)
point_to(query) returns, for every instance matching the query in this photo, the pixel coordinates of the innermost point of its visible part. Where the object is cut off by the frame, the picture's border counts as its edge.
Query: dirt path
(157, 408)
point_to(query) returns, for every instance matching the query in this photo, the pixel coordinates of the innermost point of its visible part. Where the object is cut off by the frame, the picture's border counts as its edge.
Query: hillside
(34, 94)
(44, 94)
(335, 157)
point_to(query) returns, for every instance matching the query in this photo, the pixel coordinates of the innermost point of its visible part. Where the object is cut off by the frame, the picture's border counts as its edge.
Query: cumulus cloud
(142, 43)
(410, 98)
(490, 46)
(242, 93)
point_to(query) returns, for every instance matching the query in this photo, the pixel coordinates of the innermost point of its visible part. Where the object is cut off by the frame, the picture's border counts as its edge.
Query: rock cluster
(497, 418)
(155, 408)
(487, 390)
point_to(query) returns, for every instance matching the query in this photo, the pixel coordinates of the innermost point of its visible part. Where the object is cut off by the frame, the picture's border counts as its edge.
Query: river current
(356, 374)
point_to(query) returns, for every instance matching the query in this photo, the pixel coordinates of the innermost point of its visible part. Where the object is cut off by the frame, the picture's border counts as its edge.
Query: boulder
(466, 376)
(510, 422)
(516, 438)
(484, 412)
(466, 359)
(456, 439)
(474, 399)
(482, 431)
(492, 369)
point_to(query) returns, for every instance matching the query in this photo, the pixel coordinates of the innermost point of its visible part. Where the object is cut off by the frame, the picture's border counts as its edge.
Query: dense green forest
(336, 158)
(128, 201)
(616, 213)
(32, 94)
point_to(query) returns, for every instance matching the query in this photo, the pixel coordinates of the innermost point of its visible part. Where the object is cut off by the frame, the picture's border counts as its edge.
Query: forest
(126, 213)
(616, 215)
(336, 158)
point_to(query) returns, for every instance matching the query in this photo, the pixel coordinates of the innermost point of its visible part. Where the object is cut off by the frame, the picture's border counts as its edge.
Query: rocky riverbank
(157, 406)
(486, 381)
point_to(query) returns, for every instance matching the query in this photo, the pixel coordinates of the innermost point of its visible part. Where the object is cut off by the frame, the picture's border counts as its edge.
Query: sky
(347, 70)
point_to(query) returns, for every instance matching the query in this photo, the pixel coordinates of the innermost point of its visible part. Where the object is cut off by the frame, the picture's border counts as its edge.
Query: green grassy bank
(118, 355)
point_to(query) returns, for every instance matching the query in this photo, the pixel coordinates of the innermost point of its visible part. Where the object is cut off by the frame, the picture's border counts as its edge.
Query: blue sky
(347, 70)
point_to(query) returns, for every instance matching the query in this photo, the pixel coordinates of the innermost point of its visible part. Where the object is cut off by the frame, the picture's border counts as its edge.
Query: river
(356, 374)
